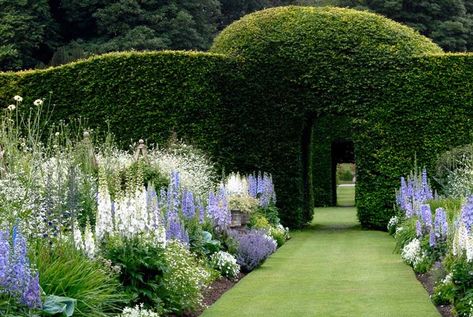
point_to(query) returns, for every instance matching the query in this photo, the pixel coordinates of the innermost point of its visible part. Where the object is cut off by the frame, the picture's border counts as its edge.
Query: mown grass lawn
(346, 195)
(331, 269)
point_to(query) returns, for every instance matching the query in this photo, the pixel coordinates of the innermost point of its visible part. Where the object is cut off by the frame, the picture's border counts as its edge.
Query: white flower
(38, 102)
(412, 253)
(393, 222)
(89, 242)
(78, 242)
(56, 134)
(138, 311)
(11, 107)
(236, 185)
(225, 263)
(104, 222)
(18, 98)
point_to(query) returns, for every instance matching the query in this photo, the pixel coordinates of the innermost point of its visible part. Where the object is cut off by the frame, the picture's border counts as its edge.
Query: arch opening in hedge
(284, 84)
(326, 64)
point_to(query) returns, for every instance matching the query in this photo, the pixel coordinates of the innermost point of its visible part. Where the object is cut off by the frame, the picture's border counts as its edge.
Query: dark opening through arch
(343, 151)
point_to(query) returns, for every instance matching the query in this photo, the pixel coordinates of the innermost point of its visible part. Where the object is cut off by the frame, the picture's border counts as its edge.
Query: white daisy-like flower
(11, 107)
(56, 134)
(18, 98)
(38, 102)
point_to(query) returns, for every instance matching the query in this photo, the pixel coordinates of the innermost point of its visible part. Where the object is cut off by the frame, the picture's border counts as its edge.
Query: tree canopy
(52, 32)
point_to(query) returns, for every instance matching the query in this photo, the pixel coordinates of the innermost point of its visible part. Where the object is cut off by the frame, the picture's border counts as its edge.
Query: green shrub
(64, 271)
(184, 279)
(142, 267)
(405, 232)
(279, 234)
(444, 292)
(168, 279)
(259, 221)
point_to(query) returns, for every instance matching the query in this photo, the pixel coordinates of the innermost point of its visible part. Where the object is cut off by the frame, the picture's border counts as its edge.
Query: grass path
(331, 269)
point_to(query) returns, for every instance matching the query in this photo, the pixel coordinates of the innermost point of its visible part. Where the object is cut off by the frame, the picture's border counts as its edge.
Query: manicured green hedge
(140, 95)
(302, 63)
(327, 130)
(425, 108)
(294, 79)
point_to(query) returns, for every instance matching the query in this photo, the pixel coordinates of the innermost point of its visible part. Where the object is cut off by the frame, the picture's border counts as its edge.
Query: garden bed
(428, 281)
(215, 291)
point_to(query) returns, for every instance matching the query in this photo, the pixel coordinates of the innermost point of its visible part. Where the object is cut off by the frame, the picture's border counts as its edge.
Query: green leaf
(64, 306)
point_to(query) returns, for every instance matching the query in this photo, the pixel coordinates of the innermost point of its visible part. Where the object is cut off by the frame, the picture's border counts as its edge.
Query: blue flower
(467, 213)
(432, 241)
(188, 205)
(440, 223)
(418, 229)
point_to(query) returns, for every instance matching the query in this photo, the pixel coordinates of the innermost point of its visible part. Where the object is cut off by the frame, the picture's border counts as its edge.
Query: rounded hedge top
(299, 33)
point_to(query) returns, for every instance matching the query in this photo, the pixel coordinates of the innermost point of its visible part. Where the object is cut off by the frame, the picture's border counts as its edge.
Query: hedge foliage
(303, 63)
(294, 80)
(139, 95)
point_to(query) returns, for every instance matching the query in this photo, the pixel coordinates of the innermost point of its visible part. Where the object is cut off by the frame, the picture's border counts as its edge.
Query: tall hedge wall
(327, 130)
(302, 63)
(425, 108)
(140, 95)
(291, 78)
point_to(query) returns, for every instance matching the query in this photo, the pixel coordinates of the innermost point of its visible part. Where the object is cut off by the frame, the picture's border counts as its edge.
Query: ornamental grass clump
(93, 283)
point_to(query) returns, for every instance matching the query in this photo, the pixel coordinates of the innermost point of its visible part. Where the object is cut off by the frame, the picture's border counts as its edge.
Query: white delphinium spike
(236, 185)
(141, 210)
(121, 222)
(469, 249)
(455, 250)
(89, 242)
(104, 222)
(77, 235)
(462, 238)
(128, 211)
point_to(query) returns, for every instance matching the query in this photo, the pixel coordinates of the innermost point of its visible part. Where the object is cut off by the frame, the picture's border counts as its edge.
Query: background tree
(34, 33)
(27, 33)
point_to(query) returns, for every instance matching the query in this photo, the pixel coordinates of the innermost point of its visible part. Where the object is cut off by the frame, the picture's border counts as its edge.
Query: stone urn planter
(239, 219)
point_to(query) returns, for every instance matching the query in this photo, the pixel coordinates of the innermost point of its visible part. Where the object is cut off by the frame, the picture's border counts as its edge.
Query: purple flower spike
(418, 229)
(467, 214)
(4, 258)
(32, 294)
(432, 240)
(441, 224)
(188, 205)
(426, 215)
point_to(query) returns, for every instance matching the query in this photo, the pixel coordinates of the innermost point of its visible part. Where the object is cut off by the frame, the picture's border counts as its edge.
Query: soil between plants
(214, 292)
(428, 281)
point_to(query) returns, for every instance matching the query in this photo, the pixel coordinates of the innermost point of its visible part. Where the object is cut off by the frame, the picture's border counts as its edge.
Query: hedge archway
(286, 83)
(316, 63)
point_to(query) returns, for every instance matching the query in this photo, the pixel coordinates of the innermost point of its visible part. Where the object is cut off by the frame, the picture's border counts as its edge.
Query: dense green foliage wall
(345, 49)
(292, 78)
(139, 95)
(425, 108)
(327, 130)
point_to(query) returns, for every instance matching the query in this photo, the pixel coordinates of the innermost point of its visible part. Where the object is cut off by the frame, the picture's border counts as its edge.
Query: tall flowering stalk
(217, 209)
(17, 279)
(413, 193)
(261, 187)
(463, 237)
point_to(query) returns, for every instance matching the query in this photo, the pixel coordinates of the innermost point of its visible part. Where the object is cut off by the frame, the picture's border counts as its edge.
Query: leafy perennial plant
(111, 230)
